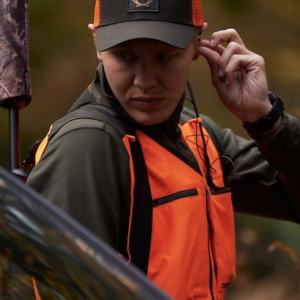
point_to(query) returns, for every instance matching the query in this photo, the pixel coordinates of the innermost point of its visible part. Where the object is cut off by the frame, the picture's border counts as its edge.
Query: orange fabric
(192, 236)
(42, 147)
(97, 13)
(191, 231)
(36, 292)
(126, 140)
(189, 131)
(198, 18)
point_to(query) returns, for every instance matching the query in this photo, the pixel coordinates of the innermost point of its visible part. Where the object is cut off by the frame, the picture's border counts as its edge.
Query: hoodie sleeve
(86, 173)
(263, 173)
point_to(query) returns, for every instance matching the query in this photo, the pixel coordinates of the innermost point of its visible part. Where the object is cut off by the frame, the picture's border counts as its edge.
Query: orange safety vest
(192, 253)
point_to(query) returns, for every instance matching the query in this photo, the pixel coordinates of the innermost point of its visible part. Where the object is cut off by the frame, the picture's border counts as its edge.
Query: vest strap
(141, 226)
(141, 229)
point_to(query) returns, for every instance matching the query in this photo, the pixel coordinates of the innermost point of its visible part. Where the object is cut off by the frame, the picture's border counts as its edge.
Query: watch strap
(267, 122)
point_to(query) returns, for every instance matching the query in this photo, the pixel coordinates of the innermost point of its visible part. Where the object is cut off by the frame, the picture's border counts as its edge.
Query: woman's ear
(198, 35)
(99, 55)
(91, 27)
(196, 53)
(196, 46)
(93, 30)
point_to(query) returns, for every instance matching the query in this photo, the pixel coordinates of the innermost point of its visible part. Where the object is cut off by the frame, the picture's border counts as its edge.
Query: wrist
(267, 124)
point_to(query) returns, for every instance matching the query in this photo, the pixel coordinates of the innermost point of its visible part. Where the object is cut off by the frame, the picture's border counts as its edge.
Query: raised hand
(237, 74)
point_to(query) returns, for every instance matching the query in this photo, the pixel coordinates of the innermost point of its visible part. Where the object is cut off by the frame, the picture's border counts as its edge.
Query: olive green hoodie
(85, 170)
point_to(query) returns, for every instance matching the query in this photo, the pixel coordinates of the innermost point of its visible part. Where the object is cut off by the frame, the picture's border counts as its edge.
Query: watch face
(266, 124)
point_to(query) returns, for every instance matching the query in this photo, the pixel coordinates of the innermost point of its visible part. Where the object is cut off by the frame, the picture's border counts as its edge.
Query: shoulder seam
(77, 124)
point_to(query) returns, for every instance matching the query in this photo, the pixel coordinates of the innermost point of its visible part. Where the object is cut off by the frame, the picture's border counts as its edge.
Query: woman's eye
(125, 56)
(161, 57)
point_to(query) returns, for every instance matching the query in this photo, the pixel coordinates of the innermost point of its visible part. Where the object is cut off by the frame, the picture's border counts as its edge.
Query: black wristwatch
(267, 122)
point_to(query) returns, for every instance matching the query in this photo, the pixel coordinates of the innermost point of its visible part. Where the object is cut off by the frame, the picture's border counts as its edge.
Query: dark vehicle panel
(39, 242)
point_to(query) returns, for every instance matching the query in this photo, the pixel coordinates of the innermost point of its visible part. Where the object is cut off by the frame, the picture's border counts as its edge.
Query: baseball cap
(169, 21)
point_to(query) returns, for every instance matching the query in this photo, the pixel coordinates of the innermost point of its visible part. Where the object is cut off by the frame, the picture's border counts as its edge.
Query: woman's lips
(147, 102)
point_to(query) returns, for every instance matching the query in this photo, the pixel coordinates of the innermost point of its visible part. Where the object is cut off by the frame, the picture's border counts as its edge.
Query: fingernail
(211, 42)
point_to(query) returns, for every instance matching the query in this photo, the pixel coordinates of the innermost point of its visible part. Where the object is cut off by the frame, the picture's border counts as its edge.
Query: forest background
(62, 64)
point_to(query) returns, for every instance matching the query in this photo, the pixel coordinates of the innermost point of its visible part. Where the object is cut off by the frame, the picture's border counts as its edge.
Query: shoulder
(82, 134)
(86, 120)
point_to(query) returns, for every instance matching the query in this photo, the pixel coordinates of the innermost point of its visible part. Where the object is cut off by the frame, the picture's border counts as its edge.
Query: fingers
(228, 36)
(237, 74)
(226, 60)
(239, 66)
(212, 56)
(234, 58)
(225, 36)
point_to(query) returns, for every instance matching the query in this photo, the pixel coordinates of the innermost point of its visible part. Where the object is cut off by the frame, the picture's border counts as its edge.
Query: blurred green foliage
(63, 60)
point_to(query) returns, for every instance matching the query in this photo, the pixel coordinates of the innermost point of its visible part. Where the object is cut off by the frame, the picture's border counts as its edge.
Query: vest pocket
(175, 196)
(179, 255)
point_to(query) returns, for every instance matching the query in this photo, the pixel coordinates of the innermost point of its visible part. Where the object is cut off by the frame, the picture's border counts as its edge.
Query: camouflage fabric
(14, 70)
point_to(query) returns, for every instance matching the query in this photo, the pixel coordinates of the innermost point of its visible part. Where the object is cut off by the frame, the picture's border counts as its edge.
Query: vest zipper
(211, 272)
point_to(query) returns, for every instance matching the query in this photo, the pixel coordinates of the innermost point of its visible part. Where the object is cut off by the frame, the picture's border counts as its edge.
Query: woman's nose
(145, 75)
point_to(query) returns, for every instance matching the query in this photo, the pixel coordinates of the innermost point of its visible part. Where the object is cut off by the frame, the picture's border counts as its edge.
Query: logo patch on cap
(142, 5)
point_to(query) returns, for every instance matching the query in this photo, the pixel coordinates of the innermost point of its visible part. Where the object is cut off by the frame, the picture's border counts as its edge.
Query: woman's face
(148, 77)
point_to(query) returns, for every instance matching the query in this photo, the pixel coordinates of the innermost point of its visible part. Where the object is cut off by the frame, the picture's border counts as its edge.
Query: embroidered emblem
(143, 5)
(139, 4)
